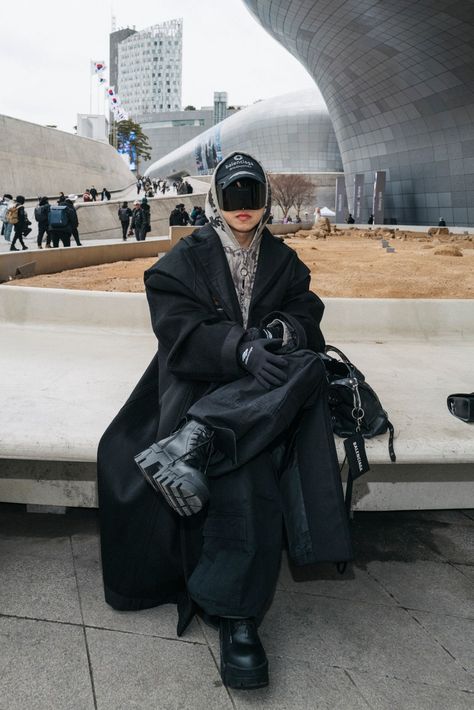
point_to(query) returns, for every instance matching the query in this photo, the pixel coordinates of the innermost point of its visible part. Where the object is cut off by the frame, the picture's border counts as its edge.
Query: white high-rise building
(150, 67)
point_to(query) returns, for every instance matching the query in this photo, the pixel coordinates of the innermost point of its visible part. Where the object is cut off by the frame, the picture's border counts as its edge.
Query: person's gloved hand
(257, 358)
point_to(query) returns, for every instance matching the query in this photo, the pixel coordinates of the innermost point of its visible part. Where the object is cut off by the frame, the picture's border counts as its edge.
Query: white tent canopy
(326, 212)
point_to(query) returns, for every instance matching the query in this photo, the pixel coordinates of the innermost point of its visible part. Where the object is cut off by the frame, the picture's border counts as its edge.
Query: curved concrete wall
(291, 133)
(398, 81)
(35, 160)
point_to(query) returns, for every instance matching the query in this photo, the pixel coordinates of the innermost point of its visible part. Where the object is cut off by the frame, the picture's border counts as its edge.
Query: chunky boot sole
(243, 679)
(181, 485)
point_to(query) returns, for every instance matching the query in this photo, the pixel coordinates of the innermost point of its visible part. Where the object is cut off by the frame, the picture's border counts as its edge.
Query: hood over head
(234, 166)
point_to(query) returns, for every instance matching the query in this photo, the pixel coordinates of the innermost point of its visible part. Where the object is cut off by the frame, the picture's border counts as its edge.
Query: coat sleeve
(301, 310)
(200, 345)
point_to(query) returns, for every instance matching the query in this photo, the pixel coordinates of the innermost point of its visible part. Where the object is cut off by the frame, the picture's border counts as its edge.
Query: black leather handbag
(356, 413)
(354, 405)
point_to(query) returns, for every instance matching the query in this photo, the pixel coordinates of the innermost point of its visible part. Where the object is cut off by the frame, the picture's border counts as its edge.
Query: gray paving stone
(467, 570)
(132, 671)
(429, 586)
(325, 580)
(393, 536)
(43, 666)
(454, 634)
(451, 517)
(53, 548)
(160, 621)
(300, 685)
(455, 543)
(39, 588)
(86, 546)
(351, 635)
(393, 694)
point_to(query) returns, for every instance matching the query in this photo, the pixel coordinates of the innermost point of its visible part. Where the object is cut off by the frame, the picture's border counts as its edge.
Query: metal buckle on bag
(358, 412)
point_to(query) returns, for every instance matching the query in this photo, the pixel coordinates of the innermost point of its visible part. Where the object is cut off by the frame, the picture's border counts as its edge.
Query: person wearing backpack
(42, 217)
(62, 220)
(124, 215)
(5, 204)
(16, 216)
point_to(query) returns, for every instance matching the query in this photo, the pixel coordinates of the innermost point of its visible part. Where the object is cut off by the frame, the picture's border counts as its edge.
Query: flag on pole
(98, 66)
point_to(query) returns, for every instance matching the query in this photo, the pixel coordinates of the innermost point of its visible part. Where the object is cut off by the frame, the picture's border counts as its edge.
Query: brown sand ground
(348, 263)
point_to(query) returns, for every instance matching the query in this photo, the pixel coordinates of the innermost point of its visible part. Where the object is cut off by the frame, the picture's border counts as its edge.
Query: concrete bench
(69, 359)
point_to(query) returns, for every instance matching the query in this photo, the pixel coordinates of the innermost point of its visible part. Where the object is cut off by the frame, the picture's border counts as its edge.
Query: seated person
(230, 429)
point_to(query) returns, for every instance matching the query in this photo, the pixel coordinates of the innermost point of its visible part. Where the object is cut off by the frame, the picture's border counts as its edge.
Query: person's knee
(309, 365)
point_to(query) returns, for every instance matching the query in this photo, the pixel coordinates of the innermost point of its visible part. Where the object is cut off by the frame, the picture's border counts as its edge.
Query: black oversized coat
(147, 550)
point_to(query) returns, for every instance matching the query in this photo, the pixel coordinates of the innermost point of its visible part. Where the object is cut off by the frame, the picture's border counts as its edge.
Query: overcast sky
(46, 49)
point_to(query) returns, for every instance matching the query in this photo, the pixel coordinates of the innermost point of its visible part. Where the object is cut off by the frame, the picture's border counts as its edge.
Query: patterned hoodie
(242, 261)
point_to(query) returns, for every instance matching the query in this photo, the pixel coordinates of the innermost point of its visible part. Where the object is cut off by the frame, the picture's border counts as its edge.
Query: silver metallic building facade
(398, 80)
(288, 134)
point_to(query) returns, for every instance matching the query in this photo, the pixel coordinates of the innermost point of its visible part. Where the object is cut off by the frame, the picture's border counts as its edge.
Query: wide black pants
(238, 567)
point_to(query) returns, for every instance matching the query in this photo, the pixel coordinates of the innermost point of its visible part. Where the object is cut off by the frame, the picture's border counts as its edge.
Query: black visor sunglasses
(244, 194)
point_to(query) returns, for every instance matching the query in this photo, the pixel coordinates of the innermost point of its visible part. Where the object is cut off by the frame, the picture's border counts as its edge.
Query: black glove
(267, 368)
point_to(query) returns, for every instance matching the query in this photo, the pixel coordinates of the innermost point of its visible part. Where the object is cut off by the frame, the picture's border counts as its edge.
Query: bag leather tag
(356, 456)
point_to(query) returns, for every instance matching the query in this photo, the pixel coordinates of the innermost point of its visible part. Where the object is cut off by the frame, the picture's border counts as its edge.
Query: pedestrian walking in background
(62, 198)
(194, 214)
(62, 220)
(87, 197)
(105, 195)
(184, 215)
(141, 220)
(75, 220)
(5, 204)
(371, 219)
(124, 215)
(42, 217)
(201, 219)
(146, 226)
(175, 217)
(93, 193)
(350, 219)
(442, 222)
(16, 216)
(139, 186)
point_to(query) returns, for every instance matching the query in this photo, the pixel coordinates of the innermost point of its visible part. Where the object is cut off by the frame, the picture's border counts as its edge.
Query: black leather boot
(176, 467)
(244, 663)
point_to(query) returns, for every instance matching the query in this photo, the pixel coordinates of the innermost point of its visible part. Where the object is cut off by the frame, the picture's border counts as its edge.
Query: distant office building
(114, 40)
(220, 106)
(166, 130)
(93, 126)
(150, 67)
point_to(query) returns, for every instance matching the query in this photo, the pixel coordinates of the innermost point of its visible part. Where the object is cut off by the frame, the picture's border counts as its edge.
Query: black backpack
(124, 214)
(41, 213)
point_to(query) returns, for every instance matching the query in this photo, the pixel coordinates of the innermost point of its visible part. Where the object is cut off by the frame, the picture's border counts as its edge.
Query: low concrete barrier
(97, 344)
(378, 320)
(50, 261)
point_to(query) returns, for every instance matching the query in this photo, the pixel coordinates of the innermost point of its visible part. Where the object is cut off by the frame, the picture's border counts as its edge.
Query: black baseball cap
(238, 166)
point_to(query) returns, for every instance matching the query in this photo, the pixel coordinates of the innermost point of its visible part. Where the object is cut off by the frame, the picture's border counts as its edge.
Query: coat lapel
(272, 261)
(216, 272)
